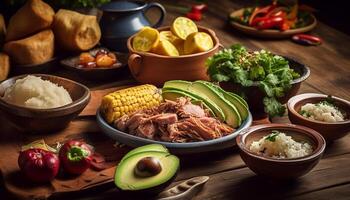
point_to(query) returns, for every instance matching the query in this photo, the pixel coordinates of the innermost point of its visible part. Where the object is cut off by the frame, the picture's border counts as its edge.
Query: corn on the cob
(129, 100)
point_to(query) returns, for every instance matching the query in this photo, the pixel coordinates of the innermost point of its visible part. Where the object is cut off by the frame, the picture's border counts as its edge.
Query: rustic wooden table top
(229, 177)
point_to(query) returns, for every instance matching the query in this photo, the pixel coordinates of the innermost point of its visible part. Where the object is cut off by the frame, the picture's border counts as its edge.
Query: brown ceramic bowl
(157, 69)
(255, 95)
(44, 120)
(330, 131)
(281, 168)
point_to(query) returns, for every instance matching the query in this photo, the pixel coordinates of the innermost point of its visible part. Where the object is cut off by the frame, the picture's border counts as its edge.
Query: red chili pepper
(194, 16)
(257, 11)
(199, 8)
(75, 156)
(306, 39)
(267, 23)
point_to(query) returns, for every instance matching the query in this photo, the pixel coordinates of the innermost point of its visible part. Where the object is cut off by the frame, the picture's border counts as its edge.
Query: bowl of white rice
(41, 103)
(326, 114)
(281, 151)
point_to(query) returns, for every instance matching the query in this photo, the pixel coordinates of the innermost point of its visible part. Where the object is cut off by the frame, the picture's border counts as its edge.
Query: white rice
(322, 112)
(33, 92)
(281, 147)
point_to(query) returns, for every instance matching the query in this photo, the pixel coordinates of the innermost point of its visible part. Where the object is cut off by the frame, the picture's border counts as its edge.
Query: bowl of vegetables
(273, 21)
(266, 80)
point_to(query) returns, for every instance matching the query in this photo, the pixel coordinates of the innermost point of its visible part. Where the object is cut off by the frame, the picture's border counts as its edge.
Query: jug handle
(134, 63)
(162, 13)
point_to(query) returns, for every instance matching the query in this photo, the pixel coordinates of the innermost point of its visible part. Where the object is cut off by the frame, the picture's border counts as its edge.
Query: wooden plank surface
(229, 177)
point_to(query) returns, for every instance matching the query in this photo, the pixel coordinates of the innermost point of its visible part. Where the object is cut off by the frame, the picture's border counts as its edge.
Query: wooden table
(229, 177)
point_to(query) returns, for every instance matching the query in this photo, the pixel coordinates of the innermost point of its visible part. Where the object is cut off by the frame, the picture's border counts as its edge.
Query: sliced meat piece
(189, 110)
(146, 130)
(166, 118)
(120, 123)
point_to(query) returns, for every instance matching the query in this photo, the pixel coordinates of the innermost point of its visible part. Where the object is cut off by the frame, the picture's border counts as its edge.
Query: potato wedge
(4, 66)
(36, 49)
(34, 16)
(75, 31)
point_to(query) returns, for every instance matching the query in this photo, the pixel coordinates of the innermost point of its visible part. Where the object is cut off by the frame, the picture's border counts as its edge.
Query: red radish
(75, 156)
(39, 165)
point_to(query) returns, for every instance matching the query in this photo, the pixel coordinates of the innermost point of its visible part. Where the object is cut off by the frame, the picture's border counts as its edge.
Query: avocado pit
(147, 167)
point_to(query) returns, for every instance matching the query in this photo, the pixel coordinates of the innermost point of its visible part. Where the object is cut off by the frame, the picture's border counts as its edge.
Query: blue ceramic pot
(121, 19)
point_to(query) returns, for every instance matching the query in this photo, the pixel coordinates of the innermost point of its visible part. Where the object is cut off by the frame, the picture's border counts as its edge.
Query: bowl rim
(301, 129)
(297, 98)
(71, 107)
(210, 31)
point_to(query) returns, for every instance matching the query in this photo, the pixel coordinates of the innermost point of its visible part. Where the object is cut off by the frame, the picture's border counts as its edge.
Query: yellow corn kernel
(129, 100)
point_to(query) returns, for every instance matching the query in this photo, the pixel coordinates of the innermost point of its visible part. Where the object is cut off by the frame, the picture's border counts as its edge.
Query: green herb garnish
(272, 72)
(272, 136)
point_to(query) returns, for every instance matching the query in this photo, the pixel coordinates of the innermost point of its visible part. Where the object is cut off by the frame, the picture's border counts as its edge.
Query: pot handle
(134, 62)
(162, 13)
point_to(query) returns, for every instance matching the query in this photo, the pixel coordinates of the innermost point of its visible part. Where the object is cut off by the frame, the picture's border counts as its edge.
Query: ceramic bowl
(157, 69)
(98, 73)
(280, 168)
(330, 131)
(269, 33)
(44, 120)
(255, 95)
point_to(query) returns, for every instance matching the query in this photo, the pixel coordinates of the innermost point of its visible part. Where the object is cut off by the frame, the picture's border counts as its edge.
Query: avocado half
(126, 179)
(149, 147)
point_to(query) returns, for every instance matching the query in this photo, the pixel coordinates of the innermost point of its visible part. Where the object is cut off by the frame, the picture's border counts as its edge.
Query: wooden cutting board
(83, 127)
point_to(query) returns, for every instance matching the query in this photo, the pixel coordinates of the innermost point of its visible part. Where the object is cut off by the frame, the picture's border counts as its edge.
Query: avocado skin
(149, 147)
(149, 192)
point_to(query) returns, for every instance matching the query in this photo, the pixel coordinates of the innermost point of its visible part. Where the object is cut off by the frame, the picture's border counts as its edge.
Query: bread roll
(2, 30)
(4, 66)
(75, 31)
(34, 16)
(36, 49)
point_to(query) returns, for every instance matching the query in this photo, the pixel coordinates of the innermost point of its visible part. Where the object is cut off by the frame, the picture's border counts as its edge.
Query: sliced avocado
(173, 94)
(232, 115)
(149, 147)
(127, 180)
(184, 87)
(240, 99)
(241, 107)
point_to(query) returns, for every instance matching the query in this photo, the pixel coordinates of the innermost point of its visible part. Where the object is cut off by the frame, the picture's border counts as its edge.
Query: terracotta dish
(44, 120)
(330, 131)
(273, 34)
(157, 69)
(281, 168)
(255, 95)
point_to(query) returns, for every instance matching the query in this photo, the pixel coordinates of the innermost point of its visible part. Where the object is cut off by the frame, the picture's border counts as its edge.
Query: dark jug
(121, 19)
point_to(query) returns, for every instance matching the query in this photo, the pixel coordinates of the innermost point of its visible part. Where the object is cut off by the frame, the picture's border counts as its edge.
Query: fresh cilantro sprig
(272, 136)
(272, 72)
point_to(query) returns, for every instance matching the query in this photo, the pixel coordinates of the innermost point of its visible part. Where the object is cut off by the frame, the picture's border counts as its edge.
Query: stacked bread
(35, 28)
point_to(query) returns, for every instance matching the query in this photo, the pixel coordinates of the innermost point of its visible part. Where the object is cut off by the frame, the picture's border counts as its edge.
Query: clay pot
(157, 69)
